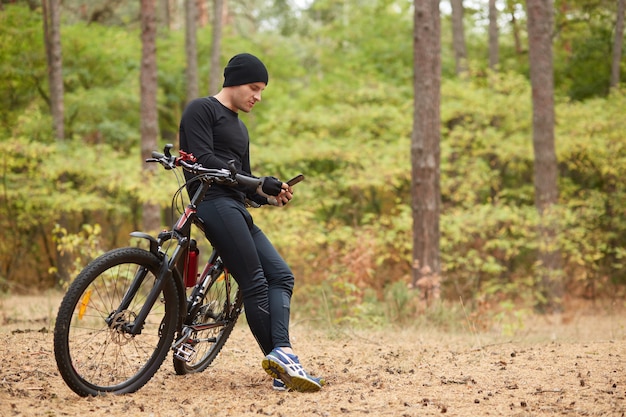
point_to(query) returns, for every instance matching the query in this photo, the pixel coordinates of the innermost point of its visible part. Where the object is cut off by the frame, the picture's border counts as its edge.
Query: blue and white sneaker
(287, 368)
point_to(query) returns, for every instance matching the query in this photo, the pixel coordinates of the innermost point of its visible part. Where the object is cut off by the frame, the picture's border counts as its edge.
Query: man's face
(247, 95)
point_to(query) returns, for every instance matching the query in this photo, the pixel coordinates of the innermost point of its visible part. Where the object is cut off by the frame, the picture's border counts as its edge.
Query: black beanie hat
(244, 69)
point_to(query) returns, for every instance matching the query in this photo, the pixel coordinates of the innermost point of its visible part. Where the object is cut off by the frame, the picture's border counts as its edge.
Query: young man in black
(211, 130)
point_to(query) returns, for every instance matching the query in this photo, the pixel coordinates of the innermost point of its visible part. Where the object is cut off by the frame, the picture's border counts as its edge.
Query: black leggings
(265, 279)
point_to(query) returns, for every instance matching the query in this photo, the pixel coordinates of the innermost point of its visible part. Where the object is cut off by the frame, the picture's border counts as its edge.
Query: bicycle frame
(181, 233)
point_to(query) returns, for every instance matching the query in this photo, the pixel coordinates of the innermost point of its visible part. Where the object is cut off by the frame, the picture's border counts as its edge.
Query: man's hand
(270, 186)
(278, 193)
(283, 197)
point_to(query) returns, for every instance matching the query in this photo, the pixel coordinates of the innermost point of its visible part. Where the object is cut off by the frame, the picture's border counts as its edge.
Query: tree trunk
(458, 37)
(617, 43)
(540, 26)
(167, 15)
(52, 40)
(149, 113)
(215, 74)
(425, 153)
(494, 50)
(191, 50)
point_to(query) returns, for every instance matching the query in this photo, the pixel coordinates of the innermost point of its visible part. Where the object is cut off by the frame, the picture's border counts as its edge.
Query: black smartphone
(295, 180)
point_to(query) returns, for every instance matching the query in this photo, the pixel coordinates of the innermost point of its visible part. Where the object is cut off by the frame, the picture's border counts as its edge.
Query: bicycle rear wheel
(211, 325)
(93, 348)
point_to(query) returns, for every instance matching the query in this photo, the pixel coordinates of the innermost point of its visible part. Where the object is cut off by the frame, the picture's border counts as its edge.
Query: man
(211, 130)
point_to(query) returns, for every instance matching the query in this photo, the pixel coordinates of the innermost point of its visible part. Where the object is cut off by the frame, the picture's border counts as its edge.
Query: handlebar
(188, 162)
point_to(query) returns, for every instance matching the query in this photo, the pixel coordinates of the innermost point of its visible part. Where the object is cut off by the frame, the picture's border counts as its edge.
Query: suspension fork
(164, 274)
(136, 326)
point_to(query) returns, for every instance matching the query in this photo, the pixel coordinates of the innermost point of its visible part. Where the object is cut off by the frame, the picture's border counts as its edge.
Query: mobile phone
(295, 180)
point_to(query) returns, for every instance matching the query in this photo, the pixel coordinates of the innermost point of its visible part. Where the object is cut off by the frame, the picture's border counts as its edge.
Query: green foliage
(592, 157)
(89, 184)
(486, 149)
(371, 37)
(583, 48)
(102, 85)
(22, 63)
(590, 57)
(339, 109)
(490, 250)
(83, 247)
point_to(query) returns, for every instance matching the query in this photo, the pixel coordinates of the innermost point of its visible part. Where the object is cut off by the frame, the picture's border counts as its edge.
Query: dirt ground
(546, 369)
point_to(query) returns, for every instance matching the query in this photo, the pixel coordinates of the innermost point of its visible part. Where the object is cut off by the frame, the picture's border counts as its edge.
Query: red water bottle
(191, 264)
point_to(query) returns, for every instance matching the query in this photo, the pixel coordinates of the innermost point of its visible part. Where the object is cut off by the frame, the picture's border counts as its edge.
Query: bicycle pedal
(185, 352)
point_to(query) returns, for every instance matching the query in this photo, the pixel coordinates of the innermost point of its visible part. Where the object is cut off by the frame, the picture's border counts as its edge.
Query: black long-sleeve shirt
(214, 134)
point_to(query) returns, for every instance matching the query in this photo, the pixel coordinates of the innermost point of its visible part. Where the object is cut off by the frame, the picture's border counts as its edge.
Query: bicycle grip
(247, 181)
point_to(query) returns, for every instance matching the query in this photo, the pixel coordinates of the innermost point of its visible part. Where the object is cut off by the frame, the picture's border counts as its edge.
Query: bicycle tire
(94, 358)
(221, 308)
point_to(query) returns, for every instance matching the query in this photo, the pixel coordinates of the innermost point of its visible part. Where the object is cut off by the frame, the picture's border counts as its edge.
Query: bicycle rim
(212, 325)
(94, 357)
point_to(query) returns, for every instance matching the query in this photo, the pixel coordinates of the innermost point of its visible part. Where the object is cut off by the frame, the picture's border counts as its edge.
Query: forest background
(338, 108)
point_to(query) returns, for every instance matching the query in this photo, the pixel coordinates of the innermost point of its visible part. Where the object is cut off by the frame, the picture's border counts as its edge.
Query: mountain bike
(129, 307)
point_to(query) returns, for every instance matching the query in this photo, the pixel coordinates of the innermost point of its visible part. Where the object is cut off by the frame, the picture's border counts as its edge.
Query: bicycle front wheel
(212, 324)
(94, 348)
